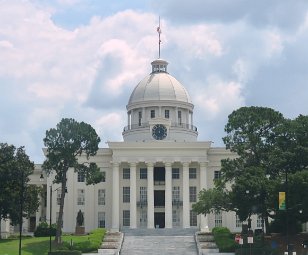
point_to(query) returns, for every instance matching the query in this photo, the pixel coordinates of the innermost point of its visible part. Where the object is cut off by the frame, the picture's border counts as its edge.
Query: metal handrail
(173, 124)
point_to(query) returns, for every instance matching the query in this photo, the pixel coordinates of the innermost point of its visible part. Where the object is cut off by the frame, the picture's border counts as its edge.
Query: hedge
(64, 252)
(224, 239)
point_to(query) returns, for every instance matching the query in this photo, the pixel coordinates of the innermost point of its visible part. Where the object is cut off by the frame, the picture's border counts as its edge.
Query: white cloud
(48, 72)
(219, 97)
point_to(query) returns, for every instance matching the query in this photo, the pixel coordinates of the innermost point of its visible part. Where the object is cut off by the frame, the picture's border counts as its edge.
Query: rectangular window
(192, 173)
(167, 114)
(101, 197)
(143, 194)
(58, 196)
(217, 175)
(80, 197)
(175, 173)
(193, 218)
(176, 194)
(126, 218)
(139, 118)
(126, 173)
(103, 177)
(238, 223)
(218, 219)
(143, 173)
(175, 218)
(126, 194)
(259, 222)
(193, 194)
(152, 114)
(101, 220)
(80, 177)
(180, 117)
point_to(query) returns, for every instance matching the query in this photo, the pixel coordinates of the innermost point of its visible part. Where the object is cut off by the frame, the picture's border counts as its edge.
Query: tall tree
(15, 169)
(65, 143)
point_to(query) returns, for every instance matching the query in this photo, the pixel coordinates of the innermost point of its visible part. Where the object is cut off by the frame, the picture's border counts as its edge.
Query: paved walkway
(159, 241)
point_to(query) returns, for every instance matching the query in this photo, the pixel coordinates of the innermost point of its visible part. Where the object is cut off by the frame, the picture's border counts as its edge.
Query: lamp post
(21, 208)
(50, 210)
(287, 210)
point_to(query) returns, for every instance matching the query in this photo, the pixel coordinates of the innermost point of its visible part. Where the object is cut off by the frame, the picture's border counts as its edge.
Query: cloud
(226, 53)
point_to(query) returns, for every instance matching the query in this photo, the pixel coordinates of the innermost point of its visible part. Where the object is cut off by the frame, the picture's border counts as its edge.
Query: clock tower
(160, 109)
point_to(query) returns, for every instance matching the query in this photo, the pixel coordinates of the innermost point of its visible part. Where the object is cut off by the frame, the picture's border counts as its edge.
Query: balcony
(142, 204)
(173, 125)
(177, 203)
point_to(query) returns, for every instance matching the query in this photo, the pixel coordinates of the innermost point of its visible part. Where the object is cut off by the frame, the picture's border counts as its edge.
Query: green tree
(65, 143)
(211, 201)
(15, 169)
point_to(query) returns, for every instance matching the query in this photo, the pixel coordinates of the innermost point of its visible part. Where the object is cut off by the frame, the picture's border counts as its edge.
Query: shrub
(43, 230)
(224, 239)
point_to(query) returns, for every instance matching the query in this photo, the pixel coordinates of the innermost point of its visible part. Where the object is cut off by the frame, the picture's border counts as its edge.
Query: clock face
(159, 132)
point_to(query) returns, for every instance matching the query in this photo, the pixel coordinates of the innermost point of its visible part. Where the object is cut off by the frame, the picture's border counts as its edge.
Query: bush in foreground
(224, 239)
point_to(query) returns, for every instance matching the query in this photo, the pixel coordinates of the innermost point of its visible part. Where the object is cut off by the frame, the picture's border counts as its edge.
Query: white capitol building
(153, 177)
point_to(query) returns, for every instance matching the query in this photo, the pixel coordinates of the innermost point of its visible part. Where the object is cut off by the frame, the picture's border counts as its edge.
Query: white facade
(153, 177)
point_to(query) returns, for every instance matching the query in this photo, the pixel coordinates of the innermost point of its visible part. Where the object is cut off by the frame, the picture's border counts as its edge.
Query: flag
(282, 200)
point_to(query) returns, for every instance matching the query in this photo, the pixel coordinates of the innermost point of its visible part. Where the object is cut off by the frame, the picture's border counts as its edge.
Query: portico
(156, 189)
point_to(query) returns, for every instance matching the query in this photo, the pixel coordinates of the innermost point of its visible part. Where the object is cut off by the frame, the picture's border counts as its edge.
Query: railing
(142, 204)
(174, 124)
(159, 183)
(177, 203)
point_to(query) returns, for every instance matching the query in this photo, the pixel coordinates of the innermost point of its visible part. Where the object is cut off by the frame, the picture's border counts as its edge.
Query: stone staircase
(159, 242)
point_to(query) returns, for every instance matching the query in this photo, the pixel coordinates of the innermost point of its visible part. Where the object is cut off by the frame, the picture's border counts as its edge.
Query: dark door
(159, 219)
(159, 198)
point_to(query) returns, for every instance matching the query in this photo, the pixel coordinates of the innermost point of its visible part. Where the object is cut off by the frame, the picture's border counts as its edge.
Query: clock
(159, 132)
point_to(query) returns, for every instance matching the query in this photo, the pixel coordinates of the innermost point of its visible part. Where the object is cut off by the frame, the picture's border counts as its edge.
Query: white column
(186, 205)
(143, 116)
(168, 196)
(150, 195)
(133, 194)
(204, 224)
(115, 197)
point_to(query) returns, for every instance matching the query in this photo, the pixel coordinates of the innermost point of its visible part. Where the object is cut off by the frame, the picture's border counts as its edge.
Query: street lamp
(21, 208)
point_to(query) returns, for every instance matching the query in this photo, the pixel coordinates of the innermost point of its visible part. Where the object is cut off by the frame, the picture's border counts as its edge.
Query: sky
(82, 59)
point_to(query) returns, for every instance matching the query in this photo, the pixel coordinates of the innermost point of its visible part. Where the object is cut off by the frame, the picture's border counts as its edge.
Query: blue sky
(83, 58)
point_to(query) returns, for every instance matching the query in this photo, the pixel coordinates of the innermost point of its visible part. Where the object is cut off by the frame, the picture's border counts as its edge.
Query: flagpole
(159, 41)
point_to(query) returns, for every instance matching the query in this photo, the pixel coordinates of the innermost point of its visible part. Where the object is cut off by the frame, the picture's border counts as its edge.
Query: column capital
(149, 164)
(132, 164)
(115, 164)
(185, 164)
(203, 164)
(168, 164)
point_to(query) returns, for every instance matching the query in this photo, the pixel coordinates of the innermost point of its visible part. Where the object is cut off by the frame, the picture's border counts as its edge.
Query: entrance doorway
(159, 219)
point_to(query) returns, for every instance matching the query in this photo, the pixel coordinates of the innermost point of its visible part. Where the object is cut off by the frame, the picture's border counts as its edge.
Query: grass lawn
(33, 245)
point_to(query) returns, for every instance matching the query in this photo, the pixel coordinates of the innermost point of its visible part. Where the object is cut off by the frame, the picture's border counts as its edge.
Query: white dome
(159, 85)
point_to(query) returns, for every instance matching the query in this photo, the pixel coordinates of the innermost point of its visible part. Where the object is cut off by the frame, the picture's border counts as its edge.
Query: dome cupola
(160, 108)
